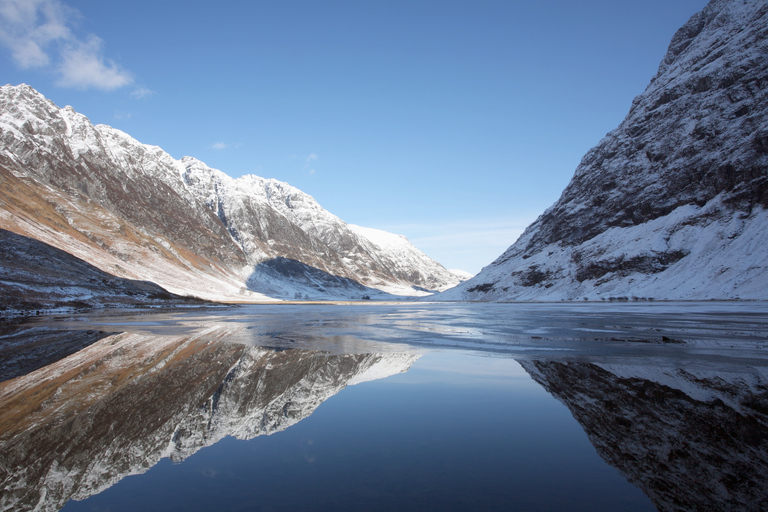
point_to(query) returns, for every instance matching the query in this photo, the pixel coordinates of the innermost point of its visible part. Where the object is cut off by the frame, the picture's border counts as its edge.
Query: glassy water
(389, 406)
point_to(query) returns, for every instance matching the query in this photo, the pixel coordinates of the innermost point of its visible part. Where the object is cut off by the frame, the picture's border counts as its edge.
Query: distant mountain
(461, 274)
(673, 203)
(135, 212)
(285, 232)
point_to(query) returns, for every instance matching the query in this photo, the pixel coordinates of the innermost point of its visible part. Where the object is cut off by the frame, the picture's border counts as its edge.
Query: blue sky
(455, 123)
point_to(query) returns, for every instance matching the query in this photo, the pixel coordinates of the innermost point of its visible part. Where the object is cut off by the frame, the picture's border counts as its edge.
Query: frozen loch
(656, 406)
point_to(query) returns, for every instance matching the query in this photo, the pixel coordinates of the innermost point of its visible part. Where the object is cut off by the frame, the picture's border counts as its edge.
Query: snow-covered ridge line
(134, 211)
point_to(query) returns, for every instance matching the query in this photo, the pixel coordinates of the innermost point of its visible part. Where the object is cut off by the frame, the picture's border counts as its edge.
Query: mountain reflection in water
(687, 423)
(76, 427)
(691, 440)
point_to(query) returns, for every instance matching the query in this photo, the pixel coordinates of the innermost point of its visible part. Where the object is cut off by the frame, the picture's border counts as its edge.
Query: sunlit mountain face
(134, 212)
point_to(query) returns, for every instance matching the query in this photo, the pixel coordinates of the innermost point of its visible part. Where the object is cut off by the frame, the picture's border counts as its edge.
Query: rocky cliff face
(115, 408)
(134, 211)
(671, 204)
(691, 440)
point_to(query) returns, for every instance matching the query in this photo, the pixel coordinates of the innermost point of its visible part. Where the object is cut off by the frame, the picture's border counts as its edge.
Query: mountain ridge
(135, 212)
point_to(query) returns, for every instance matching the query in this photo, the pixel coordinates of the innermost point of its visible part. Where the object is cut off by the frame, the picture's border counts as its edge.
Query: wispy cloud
(119, 114)
(30, 26)
(142, 92)
(39, 34)
(225, 145)
(83, 67)
(312, 157)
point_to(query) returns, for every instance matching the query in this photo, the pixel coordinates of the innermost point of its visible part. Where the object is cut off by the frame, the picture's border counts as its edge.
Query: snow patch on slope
(719, 255)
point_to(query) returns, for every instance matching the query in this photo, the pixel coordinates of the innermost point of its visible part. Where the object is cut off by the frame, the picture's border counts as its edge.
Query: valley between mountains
(671, 205)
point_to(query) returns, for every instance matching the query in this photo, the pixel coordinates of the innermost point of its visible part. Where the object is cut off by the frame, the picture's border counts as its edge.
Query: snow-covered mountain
(673, 203)
(115, 408)
(691, 439)
(278, 226)
(133, 211)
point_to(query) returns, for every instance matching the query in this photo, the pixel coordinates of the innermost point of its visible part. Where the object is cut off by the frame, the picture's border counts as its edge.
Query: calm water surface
(383, 406)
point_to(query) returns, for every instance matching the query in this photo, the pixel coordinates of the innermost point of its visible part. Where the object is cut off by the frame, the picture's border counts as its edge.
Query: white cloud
(83, 67)
(311, 158)
(225, 145)
(39, 34)
(27, 27)
(28, 54)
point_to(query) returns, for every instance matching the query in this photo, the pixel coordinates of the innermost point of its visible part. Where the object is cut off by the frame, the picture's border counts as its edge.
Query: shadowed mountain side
(36, 276)
(291, 279)
(25, 348)
(78, 426)
(690, 440)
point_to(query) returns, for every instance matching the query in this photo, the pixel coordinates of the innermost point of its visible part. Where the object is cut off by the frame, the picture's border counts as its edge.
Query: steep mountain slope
(671, 204)
(115, 408)
(108, 200)
(132, 210)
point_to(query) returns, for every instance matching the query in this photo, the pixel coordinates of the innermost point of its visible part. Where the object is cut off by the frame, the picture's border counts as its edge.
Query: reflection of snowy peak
(268, 391)
(115, 408)
(134, 211)
(691, 440)
(672, 203)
